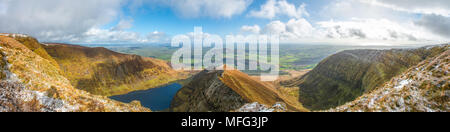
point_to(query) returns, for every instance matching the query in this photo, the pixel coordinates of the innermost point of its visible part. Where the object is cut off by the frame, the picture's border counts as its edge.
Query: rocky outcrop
(257, 107)
(223, 91)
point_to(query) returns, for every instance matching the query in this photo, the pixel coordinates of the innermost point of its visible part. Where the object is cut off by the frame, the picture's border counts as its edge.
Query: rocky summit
(223, 91)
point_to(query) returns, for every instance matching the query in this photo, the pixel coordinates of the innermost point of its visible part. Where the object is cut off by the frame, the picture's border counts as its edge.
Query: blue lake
(156, 99)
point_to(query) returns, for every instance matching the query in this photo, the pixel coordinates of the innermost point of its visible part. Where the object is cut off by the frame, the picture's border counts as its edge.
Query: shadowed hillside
(347, 75)
(31, 83)
(223, 91)
(104, 72)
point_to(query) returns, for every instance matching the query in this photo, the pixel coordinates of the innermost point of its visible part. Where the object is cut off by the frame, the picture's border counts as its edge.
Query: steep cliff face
(104, 72)
(29, 82)
(347, 75)
(223, 91)
(423, 88)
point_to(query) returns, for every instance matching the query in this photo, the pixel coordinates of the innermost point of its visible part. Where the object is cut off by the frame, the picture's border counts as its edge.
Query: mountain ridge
(344, 76)
(224, 91)
(422, 88)
(31, 83)
(104, 72)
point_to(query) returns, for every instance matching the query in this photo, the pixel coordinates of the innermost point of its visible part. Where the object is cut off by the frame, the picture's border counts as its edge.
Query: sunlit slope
(34, 45)
(104, 72)
(347, 75)
(29, 82)
(224, 91)
(422, 88)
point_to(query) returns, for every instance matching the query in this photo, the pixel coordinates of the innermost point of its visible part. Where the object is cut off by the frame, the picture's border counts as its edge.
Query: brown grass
(254, 90)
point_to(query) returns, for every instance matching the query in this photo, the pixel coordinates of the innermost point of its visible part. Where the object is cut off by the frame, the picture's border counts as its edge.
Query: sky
(361, 22)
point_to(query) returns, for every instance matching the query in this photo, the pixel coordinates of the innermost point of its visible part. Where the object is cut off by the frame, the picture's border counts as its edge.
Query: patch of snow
(10, 77)
(402, 84)
(279, 106)
(257, 107)
(371, 103)
(50, 104)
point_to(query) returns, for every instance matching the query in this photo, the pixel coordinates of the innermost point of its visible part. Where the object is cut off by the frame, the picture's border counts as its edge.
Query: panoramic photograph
(216, 56)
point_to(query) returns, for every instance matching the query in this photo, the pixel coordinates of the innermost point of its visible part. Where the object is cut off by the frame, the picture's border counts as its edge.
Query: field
(292, 56)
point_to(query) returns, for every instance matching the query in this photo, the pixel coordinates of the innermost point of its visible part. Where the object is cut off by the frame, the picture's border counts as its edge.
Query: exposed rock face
(257, 107)
(206, 92)
(29, 82)
(223, 91)
(347, 75)
(423, 88)
(104, 72)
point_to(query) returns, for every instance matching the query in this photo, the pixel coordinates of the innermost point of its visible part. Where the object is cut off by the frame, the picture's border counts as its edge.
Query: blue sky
(165, 19)
(149, 19)
(364, 22)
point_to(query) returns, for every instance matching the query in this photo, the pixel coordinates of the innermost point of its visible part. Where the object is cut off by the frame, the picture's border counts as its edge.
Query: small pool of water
(156, 99)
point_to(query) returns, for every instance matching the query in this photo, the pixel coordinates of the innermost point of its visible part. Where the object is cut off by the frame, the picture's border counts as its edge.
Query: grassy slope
(104, 72)
(347, 75)
(254, 90)
(34, 45)
(423, 88)
(226, 91)
(36, 75)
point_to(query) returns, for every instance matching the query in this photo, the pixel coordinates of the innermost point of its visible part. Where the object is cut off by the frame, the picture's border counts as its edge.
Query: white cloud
(436, 23)
(376, 29)
(71, 21)
(50, 20)
(158, 37)
(104, 36)
(354, 31)
(274, 8)
(124, 24)
(440, 7)
(347, 9)
(300, 28)
(293, 30)
(3, 7)
(251, 29)
(275, 27)
(391, 21)
(97, 35)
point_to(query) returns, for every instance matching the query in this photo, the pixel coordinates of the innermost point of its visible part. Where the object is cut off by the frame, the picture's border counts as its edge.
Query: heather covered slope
(34, 45)
(423, 88)
(347, 75)
(104, 72)
(223, 91)
(29, 82)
